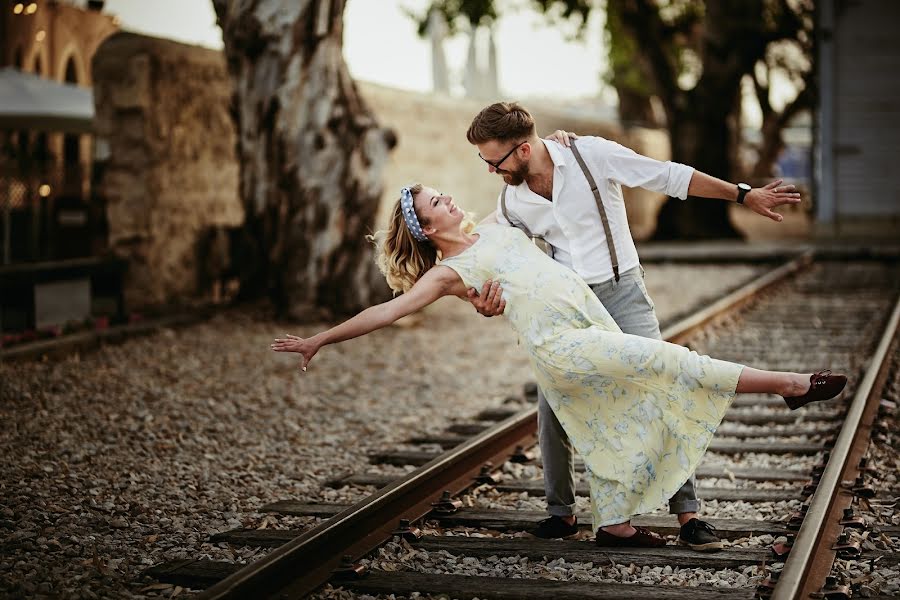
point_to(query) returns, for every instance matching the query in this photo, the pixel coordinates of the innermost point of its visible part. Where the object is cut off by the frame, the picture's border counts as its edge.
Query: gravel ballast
(134, 454)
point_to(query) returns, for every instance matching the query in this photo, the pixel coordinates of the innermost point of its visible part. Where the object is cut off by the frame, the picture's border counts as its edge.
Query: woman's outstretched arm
(437, 282)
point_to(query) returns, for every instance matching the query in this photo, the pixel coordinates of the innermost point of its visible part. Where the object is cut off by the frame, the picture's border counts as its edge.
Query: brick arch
(39, 57)
(18, 58)
(72, 53)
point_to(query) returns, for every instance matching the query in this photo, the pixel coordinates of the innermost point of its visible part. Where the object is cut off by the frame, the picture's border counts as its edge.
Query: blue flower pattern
(640, 412)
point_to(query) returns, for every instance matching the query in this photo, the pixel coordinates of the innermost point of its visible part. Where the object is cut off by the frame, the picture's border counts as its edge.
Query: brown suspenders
(600, 208)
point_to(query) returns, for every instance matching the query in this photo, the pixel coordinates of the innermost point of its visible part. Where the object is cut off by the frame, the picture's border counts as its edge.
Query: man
(548, 195)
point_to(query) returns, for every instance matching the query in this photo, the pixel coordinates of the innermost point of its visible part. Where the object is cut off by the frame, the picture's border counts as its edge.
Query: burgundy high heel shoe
(823, 386)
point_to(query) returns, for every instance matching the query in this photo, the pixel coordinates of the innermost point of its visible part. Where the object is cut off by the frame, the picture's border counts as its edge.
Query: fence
(49, 214)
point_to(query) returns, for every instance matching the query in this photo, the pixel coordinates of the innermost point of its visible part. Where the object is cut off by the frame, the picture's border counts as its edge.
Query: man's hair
(501, 121)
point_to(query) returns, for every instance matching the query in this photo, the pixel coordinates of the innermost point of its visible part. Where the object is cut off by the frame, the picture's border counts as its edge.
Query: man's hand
(763, 200)
(561, 136)
(489, 303)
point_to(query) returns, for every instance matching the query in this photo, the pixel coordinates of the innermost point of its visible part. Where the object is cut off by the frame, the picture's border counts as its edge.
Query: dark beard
(516, 176)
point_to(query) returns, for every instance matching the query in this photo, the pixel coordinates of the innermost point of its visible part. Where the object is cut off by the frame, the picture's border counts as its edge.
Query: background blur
(179, 153)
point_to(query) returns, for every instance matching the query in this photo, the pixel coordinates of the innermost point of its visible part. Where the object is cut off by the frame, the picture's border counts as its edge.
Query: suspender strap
(600, 208)
(520, 225)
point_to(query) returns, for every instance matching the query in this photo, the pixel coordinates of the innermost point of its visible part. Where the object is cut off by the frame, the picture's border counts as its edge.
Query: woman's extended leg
(797, 389)
(756, 381)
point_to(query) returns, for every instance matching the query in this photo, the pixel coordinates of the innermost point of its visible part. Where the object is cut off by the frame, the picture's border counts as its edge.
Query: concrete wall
(172, 174)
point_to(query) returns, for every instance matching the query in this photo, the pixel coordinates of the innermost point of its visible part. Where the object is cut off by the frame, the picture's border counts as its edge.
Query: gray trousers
(631, 308)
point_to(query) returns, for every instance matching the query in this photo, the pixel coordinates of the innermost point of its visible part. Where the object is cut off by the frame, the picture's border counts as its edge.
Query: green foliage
(482, 12)
(455, 12)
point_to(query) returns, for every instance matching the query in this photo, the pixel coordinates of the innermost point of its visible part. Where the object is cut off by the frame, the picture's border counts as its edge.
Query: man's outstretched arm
(760, 200)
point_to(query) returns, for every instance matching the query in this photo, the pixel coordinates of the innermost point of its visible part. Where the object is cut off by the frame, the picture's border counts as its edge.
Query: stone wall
(433, 150)
(171, 176)
(171, 180)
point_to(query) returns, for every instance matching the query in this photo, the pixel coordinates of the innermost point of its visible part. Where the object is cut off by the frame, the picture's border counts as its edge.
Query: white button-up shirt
(572, 222)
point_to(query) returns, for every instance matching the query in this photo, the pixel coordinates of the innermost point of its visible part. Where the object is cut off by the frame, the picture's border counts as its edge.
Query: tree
(311, 155)
(693, 56)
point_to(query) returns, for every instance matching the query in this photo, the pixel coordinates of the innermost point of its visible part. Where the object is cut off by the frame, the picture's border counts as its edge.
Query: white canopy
(29, 102)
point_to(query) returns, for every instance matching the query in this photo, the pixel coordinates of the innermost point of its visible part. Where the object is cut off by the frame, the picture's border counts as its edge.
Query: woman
(641, 412)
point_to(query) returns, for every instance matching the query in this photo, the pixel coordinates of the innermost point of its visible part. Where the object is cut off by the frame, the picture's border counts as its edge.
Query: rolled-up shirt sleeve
(631, 169)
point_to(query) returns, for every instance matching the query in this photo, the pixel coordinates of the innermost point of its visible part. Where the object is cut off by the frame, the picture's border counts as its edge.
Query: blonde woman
(641, 412)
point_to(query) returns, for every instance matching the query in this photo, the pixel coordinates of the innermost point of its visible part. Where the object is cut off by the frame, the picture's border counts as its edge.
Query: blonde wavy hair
(400, 257)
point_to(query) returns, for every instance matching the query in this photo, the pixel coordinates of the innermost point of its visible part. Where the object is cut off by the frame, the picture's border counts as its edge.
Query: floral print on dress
(640, 412)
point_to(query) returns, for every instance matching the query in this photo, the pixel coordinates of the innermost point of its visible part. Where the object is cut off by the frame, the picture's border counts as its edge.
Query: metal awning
(29, 102)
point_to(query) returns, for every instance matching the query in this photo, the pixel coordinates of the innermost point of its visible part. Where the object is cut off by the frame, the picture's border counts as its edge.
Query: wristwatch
(743, 188)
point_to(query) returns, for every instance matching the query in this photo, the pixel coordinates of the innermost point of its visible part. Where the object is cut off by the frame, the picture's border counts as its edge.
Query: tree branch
(642, 18)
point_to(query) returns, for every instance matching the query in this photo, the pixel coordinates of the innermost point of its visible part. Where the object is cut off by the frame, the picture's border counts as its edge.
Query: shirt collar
(556, 154)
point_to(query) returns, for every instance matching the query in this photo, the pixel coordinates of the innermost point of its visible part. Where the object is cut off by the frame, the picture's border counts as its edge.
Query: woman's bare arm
(437, 282)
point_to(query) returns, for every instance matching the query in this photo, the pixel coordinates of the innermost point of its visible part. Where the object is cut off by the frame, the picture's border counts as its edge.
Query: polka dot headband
(409, 215)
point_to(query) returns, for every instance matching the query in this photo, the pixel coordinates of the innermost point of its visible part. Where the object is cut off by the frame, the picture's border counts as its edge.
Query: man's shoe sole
(708, 547)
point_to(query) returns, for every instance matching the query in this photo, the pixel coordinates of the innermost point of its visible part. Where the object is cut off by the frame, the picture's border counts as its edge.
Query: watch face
(744, 186)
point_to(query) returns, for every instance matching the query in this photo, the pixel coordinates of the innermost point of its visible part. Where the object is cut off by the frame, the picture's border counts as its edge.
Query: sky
(535, 58)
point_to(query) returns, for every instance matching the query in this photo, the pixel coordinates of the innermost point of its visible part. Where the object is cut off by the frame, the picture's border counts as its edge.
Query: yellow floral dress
(640, 412)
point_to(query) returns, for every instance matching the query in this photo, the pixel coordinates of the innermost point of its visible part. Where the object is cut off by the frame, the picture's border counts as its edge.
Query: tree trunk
(699, 140)
(311, 155)
(636, 108)
(701, 120)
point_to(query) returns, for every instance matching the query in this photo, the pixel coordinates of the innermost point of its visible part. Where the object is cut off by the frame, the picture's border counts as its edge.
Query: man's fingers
(491, 289)
(774, 184)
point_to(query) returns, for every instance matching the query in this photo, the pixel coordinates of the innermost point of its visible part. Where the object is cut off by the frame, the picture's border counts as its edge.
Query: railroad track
(798, 463)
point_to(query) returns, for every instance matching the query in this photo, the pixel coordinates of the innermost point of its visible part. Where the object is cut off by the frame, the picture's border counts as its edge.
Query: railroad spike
(796, 519)
(835, 591)
(349, 569)
(765, 589)
(852, 520)
(784, 548)
(487, 476)
(859, 488)
(407, 531)
(446, 505)
(520, 455)
(811, 486)
(845, 547)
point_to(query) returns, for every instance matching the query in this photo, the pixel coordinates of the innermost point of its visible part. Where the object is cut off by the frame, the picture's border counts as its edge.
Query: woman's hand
(561, 136)
(307, 348)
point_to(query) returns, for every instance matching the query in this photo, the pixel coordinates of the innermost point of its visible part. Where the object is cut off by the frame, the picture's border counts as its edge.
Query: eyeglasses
(497, 164)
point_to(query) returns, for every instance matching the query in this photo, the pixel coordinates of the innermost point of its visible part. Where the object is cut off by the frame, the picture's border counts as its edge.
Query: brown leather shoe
(823, 386)
(643, 538)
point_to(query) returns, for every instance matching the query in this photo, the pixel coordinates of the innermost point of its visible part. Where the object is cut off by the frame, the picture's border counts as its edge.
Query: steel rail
(679, 332)
(306, 562)
(801, 575)
(302, 565)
